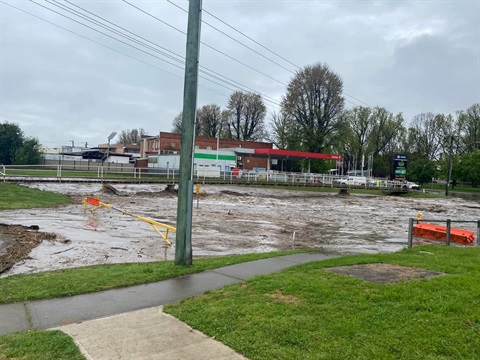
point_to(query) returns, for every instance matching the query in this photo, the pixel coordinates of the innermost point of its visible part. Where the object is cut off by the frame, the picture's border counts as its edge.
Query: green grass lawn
(458, 187)
(307, 313)
(39, 345)
(13, 196)
(69, 282)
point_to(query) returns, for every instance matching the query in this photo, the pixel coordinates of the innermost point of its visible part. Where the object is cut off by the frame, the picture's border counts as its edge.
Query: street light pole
(218, 144)
(110, 137)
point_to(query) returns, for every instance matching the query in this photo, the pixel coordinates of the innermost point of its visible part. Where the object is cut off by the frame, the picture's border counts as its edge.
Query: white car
(411, 185)
(352, 180)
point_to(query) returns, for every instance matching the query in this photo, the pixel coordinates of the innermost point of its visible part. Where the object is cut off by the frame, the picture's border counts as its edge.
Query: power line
(105, 46)
(219, 77)
(230, 81)
(109, 28)
(263, 46)
(111, 37)
(251, 39)
(124, 29)
(237, 41)
(207, 45)
(274, 102)
(271, 51)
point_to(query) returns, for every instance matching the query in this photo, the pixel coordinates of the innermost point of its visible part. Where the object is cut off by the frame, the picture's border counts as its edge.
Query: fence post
(478, 233)
(449, 224)
(410, 233)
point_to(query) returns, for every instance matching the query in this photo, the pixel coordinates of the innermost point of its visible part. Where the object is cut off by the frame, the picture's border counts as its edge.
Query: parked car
(352, 180)
(411, 185)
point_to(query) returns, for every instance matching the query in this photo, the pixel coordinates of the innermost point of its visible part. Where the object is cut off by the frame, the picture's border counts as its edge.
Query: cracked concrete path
(145, 334)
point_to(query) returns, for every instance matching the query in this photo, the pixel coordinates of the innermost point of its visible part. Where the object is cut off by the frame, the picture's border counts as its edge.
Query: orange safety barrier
(93, 201)
(438, 232)
(155, 224)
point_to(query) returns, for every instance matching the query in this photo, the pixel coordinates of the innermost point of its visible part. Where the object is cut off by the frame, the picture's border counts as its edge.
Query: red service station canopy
(276, 153)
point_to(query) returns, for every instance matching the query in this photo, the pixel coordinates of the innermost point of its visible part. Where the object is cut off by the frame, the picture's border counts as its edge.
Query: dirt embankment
(20, 240)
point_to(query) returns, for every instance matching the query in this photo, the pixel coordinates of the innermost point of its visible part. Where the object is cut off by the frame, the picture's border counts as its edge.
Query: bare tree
(130, 136)
(246, 119)
(211, 119)
(469, 126)
(427, 135)
(177, 124)
(284, 135)
(314, 102)
(386, 132)
(362, 122)
(372, 131)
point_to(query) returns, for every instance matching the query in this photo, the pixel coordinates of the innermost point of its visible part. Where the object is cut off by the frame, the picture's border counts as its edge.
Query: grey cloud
(408, 56)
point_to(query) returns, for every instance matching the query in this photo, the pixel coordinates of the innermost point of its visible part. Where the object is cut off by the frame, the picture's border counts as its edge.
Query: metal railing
(448, 223)
(127, 172)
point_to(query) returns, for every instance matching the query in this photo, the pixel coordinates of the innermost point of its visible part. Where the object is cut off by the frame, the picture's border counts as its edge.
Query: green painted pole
(183, 241)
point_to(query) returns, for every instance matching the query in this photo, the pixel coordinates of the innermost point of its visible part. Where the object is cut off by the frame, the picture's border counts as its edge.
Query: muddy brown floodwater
(229, 220)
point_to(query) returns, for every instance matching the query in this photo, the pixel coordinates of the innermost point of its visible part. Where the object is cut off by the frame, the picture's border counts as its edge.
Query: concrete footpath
(142, 331)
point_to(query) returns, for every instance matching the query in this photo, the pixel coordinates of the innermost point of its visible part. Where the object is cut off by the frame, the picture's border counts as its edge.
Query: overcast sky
(407, 56)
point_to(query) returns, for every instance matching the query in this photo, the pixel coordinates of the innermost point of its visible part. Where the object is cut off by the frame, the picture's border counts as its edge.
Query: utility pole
(183, 242)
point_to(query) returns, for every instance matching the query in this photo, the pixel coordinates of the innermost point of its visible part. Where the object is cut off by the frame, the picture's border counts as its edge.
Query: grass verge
(69, 282)
(421, 195)
(307, 313)
(13, 196)
(39, 345)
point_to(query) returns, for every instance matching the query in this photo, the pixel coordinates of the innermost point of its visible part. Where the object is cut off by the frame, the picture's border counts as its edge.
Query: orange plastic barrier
(438, 232)
(93, 201)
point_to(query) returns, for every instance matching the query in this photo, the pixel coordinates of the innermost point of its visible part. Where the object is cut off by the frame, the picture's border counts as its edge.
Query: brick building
(169, 143)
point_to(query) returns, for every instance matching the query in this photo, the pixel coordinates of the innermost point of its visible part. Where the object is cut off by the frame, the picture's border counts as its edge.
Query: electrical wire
(251, 39)
(105, 46)
(263, 46)
(207, 45)
(237, 41)
(205, 71)
(272, 102)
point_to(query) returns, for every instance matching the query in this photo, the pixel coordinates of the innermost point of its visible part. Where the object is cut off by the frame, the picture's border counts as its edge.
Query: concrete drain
(383, 273)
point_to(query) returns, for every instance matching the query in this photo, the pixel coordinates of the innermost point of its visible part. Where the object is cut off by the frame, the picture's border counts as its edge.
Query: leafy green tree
(30, 153)
(469, 168)
(15, 148)
(421, 171)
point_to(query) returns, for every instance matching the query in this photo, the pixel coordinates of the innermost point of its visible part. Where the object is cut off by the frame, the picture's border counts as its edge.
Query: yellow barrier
(96, 202)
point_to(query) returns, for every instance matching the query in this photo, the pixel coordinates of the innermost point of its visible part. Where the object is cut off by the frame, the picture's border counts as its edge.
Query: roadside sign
(400, 166)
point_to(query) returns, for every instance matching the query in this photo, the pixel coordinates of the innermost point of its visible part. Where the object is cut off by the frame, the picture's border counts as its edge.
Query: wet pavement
(229, 220)
(51, 313)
